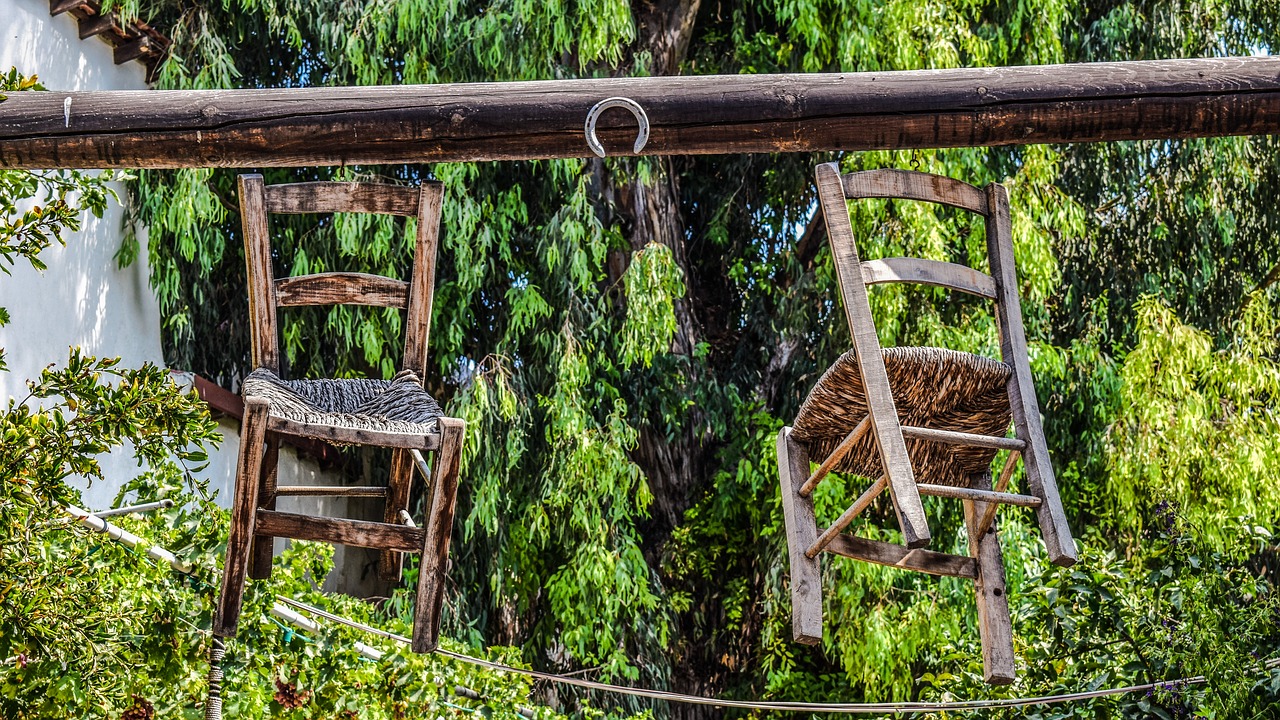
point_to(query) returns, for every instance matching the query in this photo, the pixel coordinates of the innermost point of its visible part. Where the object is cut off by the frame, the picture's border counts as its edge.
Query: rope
(213, 708)
(784, 706)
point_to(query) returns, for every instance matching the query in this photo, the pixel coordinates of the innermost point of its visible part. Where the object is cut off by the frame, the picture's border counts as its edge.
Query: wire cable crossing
(95, 523)
(782, 706)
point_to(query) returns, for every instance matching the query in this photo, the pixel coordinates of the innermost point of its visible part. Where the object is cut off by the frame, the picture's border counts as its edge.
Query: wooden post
(802, 532)
(435, 543)
(264, 545)
(257, 258)
(1022, 390)
(994, 624)
(691, 115)
(253, 432)
(875, 381)
(399, 483)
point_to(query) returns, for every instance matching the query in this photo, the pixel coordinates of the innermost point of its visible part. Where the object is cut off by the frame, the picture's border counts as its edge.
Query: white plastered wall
(83, 298)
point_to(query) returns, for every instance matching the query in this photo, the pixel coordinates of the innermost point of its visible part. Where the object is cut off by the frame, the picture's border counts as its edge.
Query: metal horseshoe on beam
(632, 106)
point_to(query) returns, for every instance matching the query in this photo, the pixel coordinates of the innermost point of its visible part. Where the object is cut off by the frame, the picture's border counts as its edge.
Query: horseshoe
(593, 142)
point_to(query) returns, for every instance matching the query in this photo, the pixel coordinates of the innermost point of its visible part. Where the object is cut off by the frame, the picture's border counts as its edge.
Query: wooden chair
(924, 421)
(395, 414)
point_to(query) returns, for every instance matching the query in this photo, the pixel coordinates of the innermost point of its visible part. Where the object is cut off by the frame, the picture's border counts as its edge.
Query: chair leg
(264, 545)
(253, 431)
(435, 542)
(399, 484)
(802, 532)
(994, 624)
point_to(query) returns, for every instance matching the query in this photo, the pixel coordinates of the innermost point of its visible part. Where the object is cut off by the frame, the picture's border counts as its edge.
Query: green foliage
(625, 338)
(1181, 609)
(91, 628)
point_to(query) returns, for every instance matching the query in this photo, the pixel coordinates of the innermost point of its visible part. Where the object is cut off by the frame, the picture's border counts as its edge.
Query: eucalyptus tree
(625, 336)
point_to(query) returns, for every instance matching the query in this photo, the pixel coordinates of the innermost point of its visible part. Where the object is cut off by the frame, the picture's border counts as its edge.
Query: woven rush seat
(399, 405)
(932, 387)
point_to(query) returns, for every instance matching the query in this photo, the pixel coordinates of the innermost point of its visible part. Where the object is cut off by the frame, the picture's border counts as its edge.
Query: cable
(215, 675)
(848, 708)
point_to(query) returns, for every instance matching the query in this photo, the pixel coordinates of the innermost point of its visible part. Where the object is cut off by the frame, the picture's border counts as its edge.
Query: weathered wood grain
(1022, 390)
(688, 115)
(951, 437)
(909, 185)
(253, 432)
(892, 555)
(343, 197)
(264, 546)
(879, 396)
(435, 542)
(355, 533)
(342, 288)
(348, 491)
(399, 487)
(417, 329)
(994, 624)
(986, 496)
(802, 531)
(929, 272)
(264, 348)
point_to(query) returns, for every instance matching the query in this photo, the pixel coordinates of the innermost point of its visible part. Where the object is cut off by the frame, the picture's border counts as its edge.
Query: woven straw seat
(933, 388)
(399, 405)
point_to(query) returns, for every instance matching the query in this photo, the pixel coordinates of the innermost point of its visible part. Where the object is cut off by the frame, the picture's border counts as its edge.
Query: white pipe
(144, 507)
(97, 524)
(309, 625)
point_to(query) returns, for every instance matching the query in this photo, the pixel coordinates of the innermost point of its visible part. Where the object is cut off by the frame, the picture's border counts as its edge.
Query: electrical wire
(777, 706)
(115, 533)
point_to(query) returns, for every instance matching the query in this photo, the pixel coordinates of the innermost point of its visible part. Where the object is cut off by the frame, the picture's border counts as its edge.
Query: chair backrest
(854, 275)
(258, 201)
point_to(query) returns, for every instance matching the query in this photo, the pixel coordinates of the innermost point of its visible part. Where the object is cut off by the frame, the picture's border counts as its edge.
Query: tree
(625, 336)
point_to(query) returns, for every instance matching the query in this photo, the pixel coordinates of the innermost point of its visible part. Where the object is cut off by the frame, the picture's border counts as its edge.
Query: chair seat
(393, 413)
(933, 388)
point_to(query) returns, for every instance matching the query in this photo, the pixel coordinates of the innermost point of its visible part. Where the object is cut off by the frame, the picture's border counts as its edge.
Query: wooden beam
(688, 115)
(355, 533)
(893, 555)
(96, 25)
(132, 50)
(350, 491)
(862, 330)
(987, 496)
(994, 624)
(57, 7)
(950, 437)
(802, 530)
(1041, 483)
(342, 288)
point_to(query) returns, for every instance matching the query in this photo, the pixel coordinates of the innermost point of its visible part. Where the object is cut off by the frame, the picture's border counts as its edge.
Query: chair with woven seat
(397, 413)
(920, 420)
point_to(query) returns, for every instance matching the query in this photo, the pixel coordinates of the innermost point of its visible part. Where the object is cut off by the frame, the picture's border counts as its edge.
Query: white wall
(83, 298)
